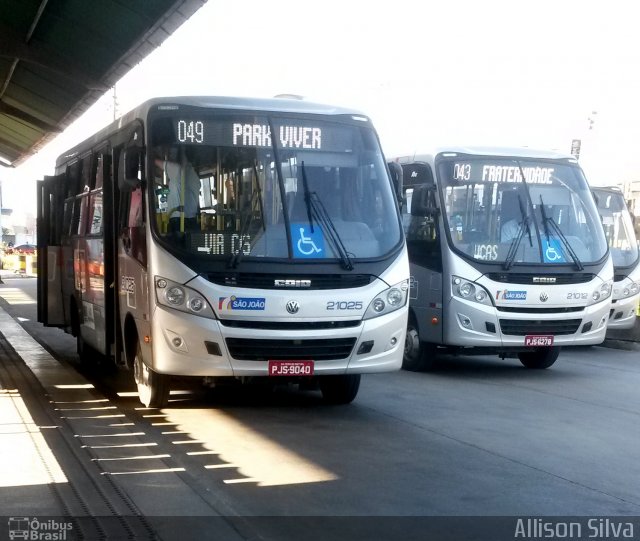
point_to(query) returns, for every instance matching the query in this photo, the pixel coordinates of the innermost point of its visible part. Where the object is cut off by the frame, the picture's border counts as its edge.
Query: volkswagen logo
(544, 297)
(293, 307)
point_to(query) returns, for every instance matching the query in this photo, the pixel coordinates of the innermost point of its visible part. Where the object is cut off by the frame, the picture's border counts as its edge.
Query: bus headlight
(625, 288)
(470, 291)
(175, 295)
(602, 293)
(388, 301)
(183, 298)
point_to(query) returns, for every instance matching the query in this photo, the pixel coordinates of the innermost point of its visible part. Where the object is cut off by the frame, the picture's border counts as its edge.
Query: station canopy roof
(58, 57)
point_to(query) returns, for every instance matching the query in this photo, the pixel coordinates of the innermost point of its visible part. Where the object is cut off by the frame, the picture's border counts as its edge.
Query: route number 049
(190, 131)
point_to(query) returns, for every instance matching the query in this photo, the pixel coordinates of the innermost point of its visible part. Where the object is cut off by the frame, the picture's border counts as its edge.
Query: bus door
(91, 257)
(424, 248)
(132, 279)
(50, 207)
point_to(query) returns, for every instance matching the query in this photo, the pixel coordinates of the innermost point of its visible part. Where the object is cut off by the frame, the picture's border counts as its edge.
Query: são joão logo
(241, 303)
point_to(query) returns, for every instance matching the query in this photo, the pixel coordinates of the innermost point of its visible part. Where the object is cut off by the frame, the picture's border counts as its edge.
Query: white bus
(507, 255)
(227, 238)
(621, 237)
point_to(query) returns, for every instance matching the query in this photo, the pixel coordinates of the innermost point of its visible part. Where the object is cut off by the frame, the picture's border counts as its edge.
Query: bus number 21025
(344, 305)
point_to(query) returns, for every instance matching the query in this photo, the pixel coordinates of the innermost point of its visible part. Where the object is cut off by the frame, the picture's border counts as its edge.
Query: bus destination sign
(258, 134)
(478, 171)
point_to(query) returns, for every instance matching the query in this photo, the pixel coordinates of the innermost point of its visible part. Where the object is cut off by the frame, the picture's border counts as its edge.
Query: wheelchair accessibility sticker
(552, 251)
(307, 244)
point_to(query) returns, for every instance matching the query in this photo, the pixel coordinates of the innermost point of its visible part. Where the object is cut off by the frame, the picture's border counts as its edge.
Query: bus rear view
(507, 256)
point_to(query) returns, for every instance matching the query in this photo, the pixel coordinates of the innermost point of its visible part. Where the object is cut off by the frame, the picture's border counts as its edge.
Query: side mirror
(130, 168)
(423, 200)
(396, 178)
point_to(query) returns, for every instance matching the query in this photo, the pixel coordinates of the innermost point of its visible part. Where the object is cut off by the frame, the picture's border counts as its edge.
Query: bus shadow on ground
(453, 366)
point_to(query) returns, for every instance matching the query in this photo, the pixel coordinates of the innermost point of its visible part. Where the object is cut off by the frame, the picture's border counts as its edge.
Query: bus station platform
(56, 435)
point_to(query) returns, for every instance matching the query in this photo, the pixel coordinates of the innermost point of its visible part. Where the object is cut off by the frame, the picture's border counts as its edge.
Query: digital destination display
(479, 171)
(257, 133)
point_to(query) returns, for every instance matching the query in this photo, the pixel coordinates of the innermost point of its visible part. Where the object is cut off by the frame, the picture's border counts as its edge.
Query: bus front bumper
(479, 325)
(623, 313)
(187, 345)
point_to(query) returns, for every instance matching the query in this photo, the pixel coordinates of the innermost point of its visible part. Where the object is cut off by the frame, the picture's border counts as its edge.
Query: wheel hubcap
(411, 344)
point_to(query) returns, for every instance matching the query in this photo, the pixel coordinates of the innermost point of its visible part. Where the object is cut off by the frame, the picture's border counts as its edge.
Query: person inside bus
(509, 230)
(171, 168)
(509, 206)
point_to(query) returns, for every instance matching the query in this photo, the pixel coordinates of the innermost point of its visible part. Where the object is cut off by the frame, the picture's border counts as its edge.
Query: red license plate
(536, 340)
(291, 368)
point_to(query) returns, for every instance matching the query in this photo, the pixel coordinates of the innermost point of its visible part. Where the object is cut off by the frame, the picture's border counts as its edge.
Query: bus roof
(516, 152)
(283, 105)
(608, 189)
(288, 105)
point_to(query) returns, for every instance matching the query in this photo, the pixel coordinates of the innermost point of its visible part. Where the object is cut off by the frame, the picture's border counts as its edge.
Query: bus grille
(250, 349)
(268, 280)
(520, 327)
(534, 310)
(528, 278)
(289, 325)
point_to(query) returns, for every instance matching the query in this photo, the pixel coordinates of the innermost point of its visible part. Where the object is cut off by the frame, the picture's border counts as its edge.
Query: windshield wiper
(317, 208)
(515, 243)
(548, 220)
(524, 224)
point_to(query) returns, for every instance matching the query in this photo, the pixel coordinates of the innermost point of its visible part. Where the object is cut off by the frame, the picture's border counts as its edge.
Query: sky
(427, 72)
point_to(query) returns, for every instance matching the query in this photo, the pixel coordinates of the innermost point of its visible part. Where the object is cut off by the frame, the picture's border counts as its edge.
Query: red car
(24, 249)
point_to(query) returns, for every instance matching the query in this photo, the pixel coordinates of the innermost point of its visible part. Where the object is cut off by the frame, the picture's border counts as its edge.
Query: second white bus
(507, 255)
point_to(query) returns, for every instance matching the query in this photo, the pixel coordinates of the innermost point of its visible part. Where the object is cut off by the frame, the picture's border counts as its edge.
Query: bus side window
(423, 238)
(95, 213)
(137, 246)
(76, 217)
(136, 209)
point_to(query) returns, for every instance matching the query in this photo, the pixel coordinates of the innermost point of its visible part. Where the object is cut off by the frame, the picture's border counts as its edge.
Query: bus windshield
(235, 186)
(618, 227)
(511, 211)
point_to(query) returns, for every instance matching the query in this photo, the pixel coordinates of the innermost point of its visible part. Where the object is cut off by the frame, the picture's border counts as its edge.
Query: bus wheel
(418, 356)
(153, 388)
(540, 357)
(339, 389)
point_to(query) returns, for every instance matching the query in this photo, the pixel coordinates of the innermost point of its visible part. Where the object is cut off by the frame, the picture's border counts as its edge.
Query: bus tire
(339, 389)
(153, 388)
(418, 355)
(539, 358)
